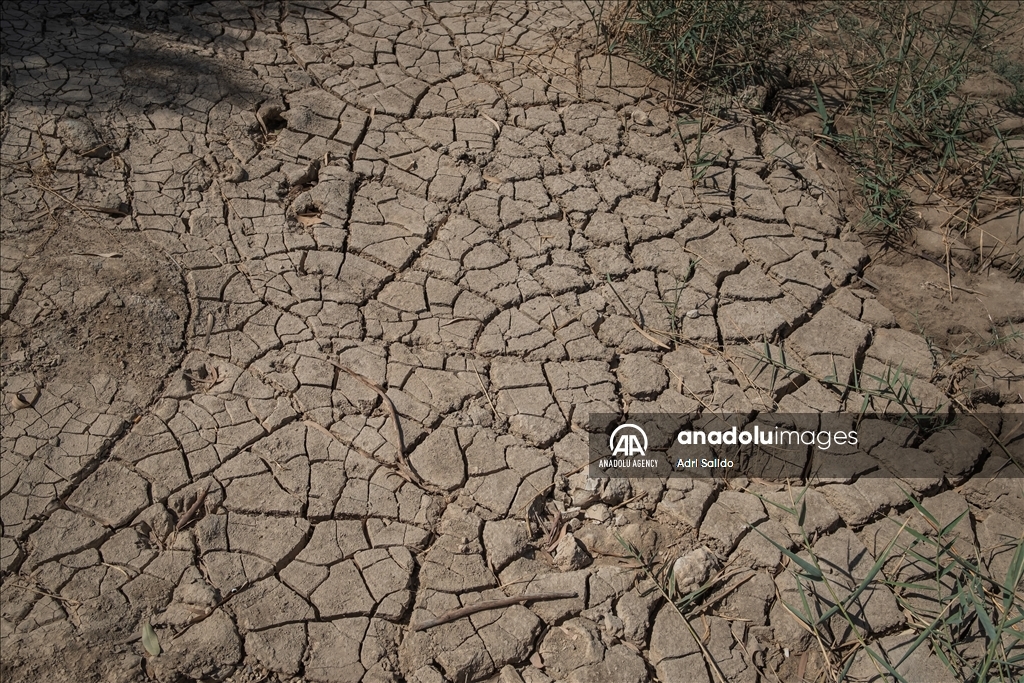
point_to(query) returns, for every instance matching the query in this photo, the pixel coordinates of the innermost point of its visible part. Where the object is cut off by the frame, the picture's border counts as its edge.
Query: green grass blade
(809, 569)
(983, 617)
(865, 582)
(949, 527)
(921, 509)
(1013, 576)
(886, 665)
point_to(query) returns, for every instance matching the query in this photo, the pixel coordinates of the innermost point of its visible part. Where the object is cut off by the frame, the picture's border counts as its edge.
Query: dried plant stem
(191, 512)
(403, 464)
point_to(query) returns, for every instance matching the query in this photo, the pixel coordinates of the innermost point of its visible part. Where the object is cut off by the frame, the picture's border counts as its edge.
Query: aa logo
(628, 444)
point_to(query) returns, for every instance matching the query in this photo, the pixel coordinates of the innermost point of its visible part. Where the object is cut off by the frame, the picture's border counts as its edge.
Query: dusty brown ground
(226, 226)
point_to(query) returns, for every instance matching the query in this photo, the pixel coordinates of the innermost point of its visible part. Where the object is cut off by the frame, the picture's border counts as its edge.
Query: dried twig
(534, 498)
(25, 160)
(191, 512)
(553, 532)
(122, 569)
(648, 336)
(722, 577)
(209, 382)
(629, 500)
(408, 476)
(384, 397)
(484, 389)
(562, 529)
(493, 122)
(58, 195)
(550, 486)
(629, 311)
(962, 289)
(117, 213)
(59, 598)
(869, 283)
(635, 318)
(485, 605)
(209, 330)
(403, 465)
(109, 254)
(949, 271)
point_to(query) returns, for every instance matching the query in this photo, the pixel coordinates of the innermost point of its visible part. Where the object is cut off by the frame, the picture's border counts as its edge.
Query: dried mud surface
(212, 211)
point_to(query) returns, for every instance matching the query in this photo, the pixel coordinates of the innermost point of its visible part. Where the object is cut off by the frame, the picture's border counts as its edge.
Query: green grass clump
(964, 602)
(891, 392)
(951, 601)
(1012, 71)
(909, 125)
(888, 211)
(956, 607)
(904, 122)
(726, 43)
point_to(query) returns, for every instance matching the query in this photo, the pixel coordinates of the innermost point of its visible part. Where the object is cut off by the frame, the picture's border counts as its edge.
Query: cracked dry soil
(210, 207)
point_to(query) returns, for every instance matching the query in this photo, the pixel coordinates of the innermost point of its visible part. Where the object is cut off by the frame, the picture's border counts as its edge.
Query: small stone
(234, 173)
(301, 174)
(113, 204)
(509, 675)
(693, 569)
(570, 554)
(82, 138)
(616, 490)
(584, 498)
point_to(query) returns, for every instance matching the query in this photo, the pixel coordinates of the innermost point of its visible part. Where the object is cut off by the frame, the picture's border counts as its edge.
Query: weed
(906, 124)
(964, 599)
(894, 387)
(726, 44)
(999, 341)
(888, 215)
(828, 122)
(951, 601)
(664, 581)
(956, 606)
(701, 161)
(672, 307)
(909, 122)
(1012, 71)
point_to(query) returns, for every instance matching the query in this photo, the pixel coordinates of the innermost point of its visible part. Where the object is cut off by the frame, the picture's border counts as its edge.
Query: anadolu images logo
(628, 444)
